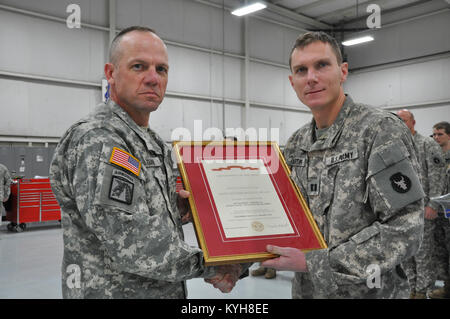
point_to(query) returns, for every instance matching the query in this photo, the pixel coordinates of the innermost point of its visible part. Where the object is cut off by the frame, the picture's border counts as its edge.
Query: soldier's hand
(430, 213)
(183, 206)
(289, 259)
(225, 278)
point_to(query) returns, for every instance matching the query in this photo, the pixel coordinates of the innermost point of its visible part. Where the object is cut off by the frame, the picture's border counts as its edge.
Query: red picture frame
(218, 248)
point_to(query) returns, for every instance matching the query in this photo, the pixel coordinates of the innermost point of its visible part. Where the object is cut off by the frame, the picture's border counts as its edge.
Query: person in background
(420, 269)
(5, 188)
(441, 134)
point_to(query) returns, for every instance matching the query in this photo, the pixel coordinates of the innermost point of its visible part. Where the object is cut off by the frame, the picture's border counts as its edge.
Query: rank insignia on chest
(125, 160)
(313, 186)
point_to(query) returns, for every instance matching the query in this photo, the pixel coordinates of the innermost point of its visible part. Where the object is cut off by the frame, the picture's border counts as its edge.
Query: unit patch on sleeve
(125, 160)
(400, 183)
(121, 188)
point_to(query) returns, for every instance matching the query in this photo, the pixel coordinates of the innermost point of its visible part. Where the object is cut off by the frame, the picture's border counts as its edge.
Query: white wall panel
(276, 125)
(51, 49)
(263, 120)
(184, 21)
(427, 117)
(267, 83)
(267, 41)
(233, 117)
(36, 46)
(92, 11)
(39, 109)
(189, 71)
(417, 38)
(270, 41)
(233, 77)
(201, 73)
(408, 84)
(200, 116)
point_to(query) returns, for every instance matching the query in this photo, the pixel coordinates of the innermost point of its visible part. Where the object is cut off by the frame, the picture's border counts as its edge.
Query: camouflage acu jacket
(121, 226)
(447, 164)
(432, 165)
(360, 180)
(5, 184)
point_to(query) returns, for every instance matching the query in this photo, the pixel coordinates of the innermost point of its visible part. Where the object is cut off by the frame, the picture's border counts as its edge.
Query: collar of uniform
(120, 112)
(330, 138)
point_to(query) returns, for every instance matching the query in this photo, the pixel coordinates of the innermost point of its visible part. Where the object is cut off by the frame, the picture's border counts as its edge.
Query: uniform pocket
(365, 235)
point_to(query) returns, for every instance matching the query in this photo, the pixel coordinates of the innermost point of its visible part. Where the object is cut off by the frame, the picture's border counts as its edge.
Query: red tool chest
(32, 200)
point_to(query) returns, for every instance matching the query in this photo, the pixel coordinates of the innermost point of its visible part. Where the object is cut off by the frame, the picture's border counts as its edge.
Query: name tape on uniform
(344, 156)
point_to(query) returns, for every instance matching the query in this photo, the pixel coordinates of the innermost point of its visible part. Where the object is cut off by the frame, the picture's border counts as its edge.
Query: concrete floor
(30, 268)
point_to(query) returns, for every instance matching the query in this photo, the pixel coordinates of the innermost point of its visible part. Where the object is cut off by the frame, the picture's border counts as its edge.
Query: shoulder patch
(121, 188)
(400, 182)
(125, 160)
(436, 160)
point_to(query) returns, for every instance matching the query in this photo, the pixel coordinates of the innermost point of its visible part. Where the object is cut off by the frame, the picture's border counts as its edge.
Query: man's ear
(109, 73)
(344, 71)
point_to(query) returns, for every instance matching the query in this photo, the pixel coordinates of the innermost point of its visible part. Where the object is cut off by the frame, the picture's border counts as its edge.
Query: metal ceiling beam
(311, 5)
(393, 10)
(352, 9)
(296, 16)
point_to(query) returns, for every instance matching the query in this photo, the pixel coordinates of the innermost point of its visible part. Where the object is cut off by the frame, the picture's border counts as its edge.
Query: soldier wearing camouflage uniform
(421, 269)
(441, 134)
(356, 167)
(5, 189)
(114, 180)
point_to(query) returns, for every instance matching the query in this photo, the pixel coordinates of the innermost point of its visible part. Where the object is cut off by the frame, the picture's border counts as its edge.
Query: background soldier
(126, 246)
(441, 134)
(421, 269)
(368, 221)
(5, 189)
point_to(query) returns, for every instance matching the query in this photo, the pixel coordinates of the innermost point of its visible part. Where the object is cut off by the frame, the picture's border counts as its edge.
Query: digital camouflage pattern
(5, 188)
(442, 233)
(122, 231)
(360, 181)
(432, 163)
(420, 269)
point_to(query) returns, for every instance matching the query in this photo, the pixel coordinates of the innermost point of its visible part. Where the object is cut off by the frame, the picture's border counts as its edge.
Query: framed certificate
(242, 199)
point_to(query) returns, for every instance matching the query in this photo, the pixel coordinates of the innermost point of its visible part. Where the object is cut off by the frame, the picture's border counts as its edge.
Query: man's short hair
(311, 37)
(113, 49)
(443, 126)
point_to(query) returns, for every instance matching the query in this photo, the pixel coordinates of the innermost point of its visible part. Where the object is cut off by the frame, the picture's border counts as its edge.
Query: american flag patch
(125, 160)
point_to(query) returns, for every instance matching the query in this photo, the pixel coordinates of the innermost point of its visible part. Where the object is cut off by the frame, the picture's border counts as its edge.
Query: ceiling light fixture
(357, 40)
(249, 9)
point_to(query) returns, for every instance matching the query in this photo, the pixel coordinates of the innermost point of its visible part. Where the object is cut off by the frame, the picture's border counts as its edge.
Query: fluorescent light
(249, 9)
(358, 40)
